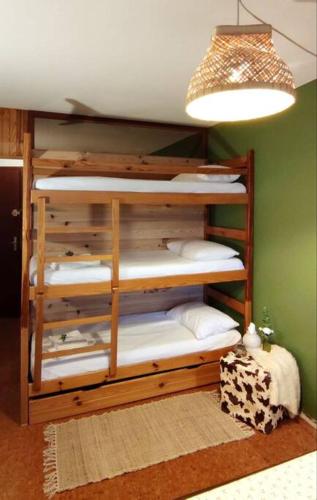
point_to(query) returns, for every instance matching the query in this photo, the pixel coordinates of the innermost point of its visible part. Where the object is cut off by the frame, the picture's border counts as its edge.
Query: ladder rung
(76, 321)
(76, 350)
(77, 229)
(76, 258)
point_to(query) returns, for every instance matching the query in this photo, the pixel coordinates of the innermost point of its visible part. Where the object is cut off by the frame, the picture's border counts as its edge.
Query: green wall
(285, 224)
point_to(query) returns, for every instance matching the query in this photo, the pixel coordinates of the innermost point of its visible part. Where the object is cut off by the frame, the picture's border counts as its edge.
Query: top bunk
(76, 178)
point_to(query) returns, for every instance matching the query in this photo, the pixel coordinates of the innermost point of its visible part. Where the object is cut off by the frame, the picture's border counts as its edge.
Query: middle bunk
(120, 271)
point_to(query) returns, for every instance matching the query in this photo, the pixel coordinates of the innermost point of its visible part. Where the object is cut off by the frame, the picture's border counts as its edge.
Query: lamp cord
(239, 2)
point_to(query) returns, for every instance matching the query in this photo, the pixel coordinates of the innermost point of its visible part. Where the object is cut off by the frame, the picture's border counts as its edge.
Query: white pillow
(218, 177)
(206, 177)
(201, 249)
(201, 319)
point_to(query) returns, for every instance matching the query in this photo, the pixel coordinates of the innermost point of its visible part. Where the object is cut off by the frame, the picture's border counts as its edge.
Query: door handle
(14, 243)
(15, 212)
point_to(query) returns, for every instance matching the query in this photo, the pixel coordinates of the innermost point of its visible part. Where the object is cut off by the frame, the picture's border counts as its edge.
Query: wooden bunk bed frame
(47, 400)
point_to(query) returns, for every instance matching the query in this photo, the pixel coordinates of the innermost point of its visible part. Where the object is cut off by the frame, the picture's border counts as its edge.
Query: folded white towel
(73, 340)
(74, 344)
(285, 385)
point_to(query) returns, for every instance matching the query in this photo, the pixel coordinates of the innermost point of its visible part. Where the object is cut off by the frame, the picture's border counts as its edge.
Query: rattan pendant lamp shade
(241, 77)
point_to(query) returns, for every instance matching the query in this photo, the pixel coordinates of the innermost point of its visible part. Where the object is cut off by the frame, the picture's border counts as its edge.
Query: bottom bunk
(161, 345)
(141, 338)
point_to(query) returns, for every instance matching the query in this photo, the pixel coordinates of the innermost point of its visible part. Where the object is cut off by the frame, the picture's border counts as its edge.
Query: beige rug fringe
(51, 473)
(50, 462)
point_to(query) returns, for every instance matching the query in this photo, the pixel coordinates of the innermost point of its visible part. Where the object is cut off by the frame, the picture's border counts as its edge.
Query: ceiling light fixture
(241, 76)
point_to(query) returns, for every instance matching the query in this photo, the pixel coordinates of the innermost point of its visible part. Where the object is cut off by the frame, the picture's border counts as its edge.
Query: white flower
(266, 330)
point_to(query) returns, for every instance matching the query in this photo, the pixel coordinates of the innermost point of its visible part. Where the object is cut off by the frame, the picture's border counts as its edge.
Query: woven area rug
(104, 446)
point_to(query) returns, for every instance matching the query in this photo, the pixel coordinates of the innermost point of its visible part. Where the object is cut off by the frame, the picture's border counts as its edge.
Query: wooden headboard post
(26, 254)
(249, 239)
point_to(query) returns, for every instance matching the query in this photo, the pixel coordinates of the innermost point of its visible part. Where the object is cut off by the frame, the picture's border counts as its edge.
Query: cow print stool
(245, 393)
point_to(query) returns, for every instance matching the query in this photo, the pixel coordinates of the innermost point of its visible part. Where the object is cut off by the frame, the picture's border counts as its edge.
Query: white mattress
(135, 185)
(135, 264)
(142, 337)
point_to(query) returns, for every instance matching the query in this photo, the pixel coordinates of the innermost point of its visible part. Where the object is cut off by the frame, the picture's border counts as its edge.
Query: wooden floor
(21, 474)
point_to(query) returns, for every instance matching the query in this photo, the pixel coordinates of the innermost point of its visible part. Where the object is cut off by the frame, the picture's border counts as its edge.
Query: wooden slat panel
(41, 244)
(249, 231)
(131, 285)
(26, 254)
(114, 331)
(119, 167)
(115, 219)
(143, 227)
(13, 132)
(236, 234)
(76, 350)
(130, 303)
(128, 371)
(78, 402)
(99, 197)
(235, 304)
(54, 291)
(77, 229)
(13, 124)
(239, 161)
(181, 280)
(117, 158)
(39, 317)
(76, 321)
(77, 258)
(39, 322)
(5, 132)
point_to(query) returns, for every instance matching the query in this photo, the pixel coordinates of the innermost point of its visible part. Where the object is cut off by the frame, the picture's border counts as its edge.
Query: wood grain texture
(76, 321)
(81, 308)
(54, 291)
(249, 245)
(137, 284)
(130, 198)
(235, 234)
(25, 290)
(77, 258)
(115, 224)
(142, 227)
(110, 168)
(13, 124)
(79, 402)
(128, 371)
(115, 312)
(39, 294)
(76, 350)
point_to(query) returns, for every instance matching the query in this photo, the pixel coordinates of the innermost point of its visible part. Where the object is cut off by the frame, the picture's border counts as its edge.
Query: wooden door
(10, 243)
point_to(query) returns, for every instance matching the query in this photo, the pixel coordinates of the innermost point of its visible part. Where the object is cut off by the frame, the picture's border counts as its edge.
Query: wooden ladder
(40, 324)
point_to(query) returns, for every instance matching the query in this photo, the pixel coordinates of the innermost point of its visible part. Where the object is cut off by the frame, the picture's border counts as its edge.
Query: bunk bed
(50, 388)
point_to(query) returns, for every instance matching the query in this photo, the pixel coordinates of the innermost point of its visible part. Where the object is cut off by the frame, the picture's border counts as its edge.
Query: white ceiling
(127, 58)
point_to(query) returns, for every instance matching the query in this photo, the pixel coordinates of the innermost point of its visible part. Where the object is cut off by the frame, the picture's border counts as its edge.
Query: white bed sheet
(135, 185)
(136, 264)
(142, 337)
